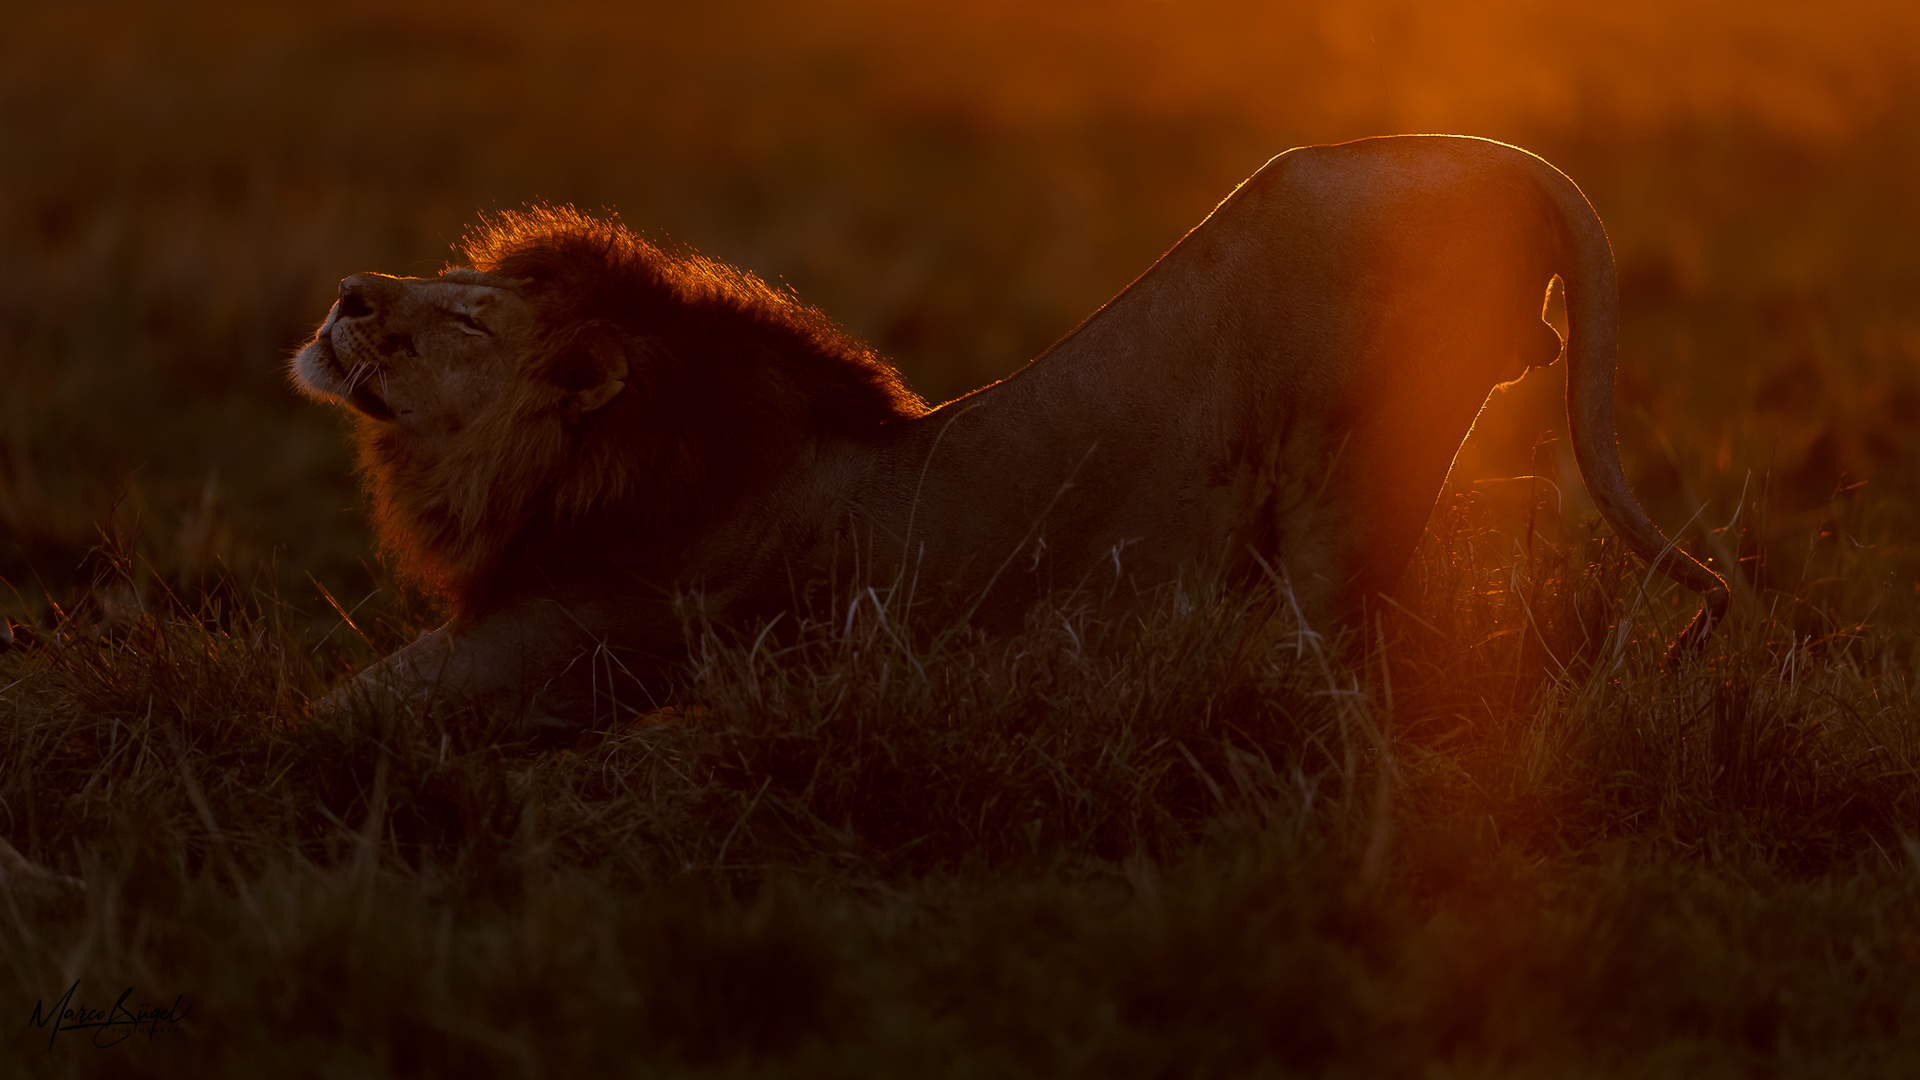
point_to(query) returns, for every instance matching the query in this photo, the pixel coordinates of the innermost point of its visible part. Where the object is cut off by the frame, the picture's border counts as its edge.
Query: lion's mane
(727, 380)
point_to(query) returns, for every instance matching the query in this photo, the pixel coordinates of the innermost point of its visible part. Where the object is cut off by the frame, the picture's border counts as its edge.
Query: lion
(577, 427)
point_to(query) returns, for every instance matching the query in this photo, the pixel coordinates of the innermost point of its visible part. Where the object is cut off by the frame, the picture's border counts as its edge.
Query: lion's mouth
(319, 368)
(369, 403)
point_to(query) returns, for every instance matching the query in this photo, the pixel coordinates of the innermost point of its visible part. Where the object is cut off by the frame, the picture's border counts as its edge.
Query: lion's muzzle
(341, 362)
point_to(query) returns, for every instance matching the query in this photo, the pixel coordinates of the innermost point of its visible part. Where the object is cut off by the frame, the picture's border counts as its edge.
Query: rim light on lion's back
(578, 427)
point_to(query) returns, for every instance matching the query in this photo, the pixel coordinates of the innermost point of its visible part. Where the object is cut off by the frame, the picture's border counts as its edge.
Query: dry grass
(1495, 834)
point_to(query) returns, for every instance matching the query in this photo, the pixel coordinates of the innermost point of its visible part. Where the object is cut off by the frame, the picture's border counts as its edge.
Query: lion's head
(573, 394)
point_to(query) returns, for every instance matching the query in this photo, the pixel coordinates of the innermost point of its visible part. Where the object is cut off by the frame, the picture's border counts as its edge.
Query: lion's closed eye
(469, 324)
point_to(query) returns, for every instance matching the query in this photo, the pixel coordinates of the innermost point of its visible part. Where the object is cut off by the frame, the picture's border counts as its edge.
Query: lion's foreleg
(533, 664)
(406, 679)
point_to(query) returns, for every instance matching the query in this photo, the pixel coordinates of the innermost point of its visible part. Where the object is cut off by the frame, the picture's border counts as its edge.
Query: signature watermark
(115, 1024)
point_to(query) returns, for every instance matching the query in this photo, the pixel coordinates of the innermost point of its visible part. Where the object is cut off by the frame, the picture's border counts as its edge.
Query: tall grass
(1499, 830)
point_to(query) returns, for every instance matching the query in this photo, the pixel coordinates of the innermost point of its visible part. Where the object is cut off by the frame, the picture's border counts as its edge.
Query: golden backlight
(956, 183)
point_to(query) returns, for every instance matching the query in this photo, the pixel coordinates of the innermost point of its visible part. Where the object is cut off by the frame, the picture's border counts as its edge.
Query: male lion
(578, 427)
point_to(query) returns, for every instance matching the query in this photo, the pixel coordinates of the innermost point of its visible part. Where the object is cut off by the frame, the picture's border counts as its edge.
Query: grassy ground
(1492, 834)
(1497, 839)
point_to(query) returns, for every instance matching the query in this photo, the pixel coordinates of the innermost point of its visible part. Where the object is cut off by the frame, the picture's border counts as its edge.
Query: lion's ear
(593, 370)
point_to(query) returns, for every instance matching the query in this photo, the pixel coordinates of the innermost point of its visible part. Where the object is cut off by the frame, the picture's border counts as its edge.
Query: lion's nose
(353, 298)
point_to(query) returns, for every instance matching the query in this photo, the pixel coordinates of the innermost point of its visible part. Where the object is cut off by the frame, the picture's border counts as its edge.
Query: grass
(1513, 843)
(1490, 832)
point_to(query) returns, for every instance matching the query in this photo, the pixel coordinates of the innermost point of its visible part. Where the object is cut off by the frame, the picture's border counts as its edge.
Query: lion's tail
(1586, 270)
